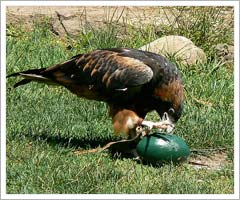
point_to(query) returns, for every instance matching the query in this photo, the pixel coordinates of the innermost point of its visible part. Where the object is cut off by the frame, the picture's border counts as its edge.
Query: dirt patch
(215, 160)
(71, 19)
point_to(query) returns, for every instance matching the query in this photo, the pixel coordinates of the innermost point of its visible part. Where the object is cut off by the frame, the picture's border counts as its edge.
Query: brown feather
(172, 92)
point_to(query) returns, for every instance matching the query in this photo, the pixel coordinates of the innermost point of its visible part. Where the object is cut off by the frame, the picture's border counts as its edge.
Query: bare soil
(75, 17)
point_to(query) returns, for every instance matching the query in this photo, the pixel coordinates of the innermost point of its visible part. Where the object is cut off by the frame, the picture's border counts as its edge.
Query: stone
(179, 47)
(225, 52)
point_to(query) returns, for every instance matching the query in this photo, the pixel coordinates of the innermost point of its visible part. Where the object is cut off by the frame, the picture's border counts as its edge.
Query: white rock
(180, 47)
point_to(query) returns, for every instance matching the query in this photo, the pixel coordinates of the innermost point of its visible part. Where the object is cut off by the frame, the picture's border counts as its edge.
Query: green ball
(161, 147)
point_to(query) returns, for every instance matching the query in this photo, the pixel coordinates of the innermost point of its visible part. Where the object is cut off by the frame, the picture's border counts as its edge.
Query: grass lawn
(46, 124)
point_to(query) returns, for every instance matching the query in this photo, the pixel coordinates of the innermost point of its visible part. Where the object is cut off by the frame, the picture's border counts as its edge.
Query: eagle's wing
(104, 68)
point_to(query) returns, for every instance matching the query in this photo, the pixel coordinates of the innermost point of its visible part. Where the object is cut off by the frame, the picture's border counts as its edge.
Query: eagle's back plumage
(124, 78)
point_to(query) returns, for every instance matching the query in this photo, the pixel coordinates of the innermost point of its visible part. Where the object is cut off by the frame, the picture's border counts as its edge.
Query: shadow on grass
(73, 142)
(118, 151)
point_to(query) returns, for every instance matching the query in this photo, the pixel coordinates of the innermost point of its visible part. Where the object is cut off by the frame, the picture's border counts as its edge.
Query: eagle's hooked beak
(167, 124)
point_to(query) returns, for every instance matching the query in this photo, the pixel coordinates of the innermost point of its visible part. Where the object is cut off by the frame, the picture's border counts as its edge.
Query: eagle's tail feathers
(32, 75)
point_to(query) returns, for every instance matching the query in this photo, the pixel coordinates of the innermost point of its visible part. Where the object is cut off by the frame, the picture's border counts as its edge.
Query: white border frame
(4, 4)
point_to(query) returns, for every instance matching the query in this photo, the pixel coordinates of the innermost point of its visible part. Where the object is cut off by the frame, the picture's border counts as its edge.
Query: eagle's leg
(125, 121)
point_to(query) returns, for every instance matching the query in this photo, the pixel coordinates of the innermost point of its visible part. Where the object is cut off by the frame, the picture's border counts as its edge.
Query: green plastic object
(161, 147)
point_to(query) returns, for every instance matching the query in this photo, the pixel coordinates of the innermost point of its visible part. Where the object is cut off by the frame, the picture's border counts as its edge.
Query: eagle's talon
(165, 125)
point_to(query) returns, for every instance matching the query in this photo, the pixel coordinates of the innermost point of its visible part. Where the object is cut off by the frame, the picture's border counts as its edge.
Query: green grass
(46, 124)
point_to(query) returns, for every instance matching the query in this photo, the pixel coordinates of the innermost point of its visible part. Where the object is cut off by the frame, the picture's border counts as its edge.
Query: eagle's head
(171, 102)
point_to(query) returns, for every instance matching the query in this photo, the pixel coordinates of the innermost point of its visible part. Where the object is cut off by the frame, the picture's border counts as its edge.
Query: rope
(110, 144)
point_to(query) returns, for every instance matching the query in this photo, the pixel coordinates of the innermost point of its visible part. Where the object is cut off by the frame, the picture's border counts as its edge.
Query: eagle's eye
(171, 111)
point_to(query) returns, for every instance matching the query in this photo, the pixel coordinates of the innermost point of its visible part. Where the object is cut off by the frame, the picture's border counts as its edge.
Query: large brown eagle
(130, 81)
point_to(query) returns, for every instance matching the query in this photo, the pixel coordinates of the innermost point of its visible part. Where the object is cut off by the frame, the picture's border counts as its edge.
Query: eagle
(132, 82)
